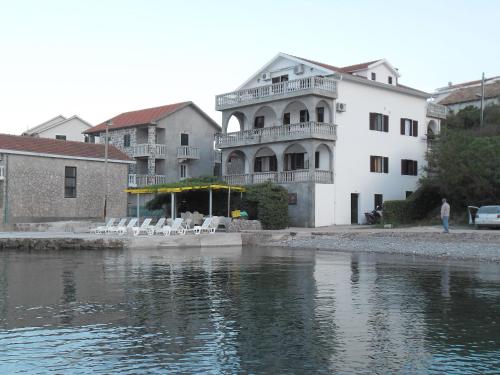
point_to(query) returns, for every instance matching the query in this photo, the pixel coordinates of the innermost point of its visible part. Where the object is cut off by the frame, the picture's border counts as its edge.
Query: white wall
(382, 72)
(355, 143)
(324, 209)
(72, 129)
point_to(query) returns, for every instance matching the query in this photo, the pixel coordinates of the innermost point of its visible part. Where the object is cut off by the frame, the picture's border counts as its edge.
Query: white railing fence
(145, 149)
(140, 180)
(187, 152)
(300, 175)
(436, 110)
(255, 93)
(2, 172)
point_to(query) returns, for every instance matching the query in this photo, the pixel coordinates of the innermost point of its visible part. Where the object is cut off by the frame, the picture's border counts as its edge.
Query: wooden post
(172, 204)
(210, 203)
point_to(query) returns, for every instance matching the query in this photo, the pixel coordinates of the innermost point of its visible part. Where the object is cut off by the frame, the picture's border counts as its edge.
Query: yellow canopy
(179, 189)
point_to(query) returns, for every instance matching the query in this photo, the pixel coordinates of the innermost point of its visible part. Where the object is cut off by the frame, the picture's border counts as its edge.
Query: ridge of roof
(464, 84)
(138, 117)
(44, 125)
(20, 143)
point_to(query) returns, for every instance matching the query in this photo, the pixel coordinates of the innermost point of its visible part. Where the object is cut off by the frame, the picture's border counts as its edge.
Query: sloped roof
(143, 117)
(28, 144)
(470, 94)
(56, 121)
(345, 69)
(465, 84)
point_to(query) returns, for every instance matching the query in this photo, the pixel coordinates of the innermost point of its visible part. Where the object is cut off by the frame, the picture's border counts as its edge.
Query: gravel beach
(470, 245)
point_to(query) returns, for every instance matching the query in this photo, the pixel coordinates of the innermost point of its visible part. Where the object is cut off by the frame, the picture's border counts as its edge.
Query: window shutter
(386, 123)
(403, 171)
(386, 165)
(415, 168)
(372, 164)
(415, 128)
(372, 121)
(402, 126)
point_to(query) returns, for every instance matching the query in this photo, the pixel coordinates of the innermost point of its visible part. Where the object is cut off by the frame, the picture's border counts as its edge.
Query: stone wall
(35, 189)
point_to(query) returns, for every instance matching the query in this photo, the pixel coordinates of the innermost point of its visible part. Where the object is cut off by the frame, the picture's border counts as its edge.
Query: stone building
(168, 143)
(49, 180)
(340, 139)
(60, 127)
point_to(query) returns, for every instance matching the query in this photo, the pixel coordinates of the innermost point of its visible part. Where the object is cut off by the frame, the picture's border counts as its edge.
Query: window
(61, 137)
(126, 140)
(374, 76)
(286, 119)
(266, 164)
(259, 122)
(379, 122)
(409, 127)
(389, 80)
(379, 164)
(320, 114)
(409, 167)
(304, 115)
(184, 139)
(378, 200)
(295, 161)
(69, 182)
(279, 79)
(183, 170)
(316, 160)
(408, 193)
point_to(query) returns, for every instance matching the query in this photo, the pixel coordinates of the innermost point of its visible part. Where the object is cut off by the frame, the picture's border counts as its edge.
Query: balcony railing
(300, 175)
(273, 91)
(436, 110)
(141, 180)
(2, 172)
(187, 152)
(146, 149)
(301, 130)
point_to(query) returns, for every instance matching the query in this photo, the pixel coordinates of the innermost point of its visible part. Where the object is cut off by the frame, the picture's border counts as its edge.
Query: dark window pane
(286, 119)
(320, 114)
(259, 122)
(184, 139)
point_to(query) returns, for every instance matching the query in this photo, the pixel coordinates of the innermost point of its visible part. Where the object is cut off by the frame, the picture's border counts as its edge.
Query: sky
(97, 59)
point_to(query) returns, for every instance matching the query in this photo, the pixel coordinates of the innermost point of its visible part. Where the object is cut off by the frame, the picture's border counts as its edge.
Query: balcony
(187, 152)
(2, 172)
(142, 180)
(300, 175)
(146, 150)
(303, 130)
(436, 110)
(298, 87)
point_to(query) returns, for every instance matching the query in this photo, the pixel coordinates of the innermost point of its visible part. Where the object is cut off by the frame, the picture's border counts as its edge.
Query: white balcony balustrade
(301, 175)
(302, 130)
(2, 172)
(436, 110)
(301, 86)
(187, 152)
(142, 180)
(146, 150)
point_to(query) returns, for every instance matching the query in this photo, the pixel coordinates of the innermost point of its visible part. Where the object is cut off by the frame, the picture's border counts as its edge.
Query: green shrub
(396, 212)
(267, 203)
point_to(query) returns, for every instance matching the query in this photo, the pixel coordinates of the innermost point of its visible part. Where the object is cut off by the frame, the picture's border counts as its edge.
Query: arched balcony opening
(236, 168)
(265, 166)
(265, 117)
(323, 112)
(235, 122)
(294, 113)
(323, 158)
(295, 157)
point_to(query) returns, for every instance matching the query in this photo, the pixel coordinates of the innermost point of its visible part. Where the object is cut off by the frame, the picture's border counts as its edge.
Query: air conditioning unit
(298, 69)
(266, 76)
(341, 107)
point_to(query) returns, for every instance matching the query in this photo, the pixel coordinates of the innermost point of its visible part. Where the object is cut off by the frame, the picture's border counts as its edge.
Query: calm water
(245, 311)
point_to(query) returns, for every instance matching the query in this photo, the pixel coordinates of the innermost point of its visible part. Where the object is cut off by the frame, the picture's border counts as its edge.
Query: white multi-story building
(60, 127)
(341, 140)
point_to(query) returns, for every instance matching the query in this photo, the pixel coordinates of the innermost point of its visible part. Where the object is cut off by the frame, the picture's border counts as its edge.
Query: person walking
(445, 215)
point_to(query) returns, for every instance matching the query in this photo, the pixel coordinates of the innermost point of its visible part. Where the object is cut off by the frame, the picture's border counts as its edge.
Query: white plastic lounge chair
(214, 224)
(143, 228)
(103, 228)
(203, 227)
(176, 228)
(155, 229)
(113, 229)
(124, 230)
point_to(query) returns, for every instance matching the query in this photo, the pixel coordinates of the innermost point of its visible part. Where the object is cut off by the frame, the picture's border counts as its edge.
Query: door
(354, 208)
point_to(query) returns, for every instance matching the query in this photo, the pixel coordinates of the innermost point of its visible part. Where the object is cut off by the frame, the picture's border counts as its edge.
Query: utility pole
(481, 123)
(106, 178)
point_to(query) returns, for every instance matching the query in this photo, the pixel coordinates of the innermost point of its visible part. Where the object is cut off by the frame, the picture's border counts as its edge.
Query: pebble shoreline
(463, 246)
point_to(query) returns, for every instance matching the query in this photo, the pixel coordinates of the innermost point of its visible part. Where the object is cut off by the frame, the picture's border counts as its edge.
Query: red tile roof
(469, 83)
(58, 147)
(472, 94)
(140, 117)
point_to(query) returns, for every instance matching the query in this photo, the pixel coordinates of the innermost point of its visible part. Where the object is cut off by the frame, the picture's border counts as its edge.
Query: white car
(488, 216)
